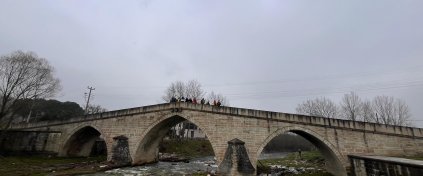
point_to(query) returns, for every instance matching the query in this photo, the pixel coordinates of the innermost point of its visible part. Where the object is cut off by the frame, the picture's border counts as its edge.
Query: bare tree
(23, 75)
(402, 113)
(176, 89)
(321, 107)
(367, 113)
(179, 89)
(218, 97)
(383, 107)
(93, 109)
(390, 111)
(193, 89)
(351, 106)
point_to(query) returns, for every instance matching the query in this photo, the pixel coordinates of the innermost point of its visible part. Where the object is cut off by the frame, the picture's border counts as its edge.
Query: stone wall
(29, 142)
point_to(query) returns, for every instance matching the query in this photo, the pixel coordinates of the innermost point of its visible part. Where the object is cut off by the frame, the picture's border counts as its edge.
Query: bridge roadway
(133, 135)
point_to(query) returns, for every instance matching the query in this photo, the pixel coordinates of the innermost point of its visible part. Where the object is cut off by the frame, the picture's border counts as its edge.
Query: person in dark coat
(299, 153)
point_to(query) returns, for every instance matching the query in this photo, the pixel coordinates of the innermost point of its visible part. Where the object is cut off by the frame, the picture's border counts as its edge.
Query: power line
(393, 84)
(397, 84)
(408, 70)
(311, 92)
(321, 78)
(355, 87)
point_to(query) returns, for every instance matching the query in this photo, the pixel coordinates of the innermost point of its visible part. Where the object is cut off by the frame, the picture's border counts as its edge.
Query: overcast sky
(269, 54)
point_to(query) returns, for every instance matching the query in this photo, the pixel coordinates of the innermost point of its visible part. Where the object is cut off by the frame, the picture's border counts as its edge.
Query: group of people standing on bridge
(194, 101)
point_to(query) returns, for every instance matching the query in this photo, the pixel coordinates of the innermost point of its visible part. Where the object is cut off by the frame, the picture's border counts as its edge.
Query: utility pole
(88, 100)
(30, 109)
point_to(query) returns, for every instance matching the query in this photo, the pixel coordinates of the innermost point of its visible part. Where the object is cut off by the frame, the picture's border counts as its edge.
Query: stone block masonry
(146, 126)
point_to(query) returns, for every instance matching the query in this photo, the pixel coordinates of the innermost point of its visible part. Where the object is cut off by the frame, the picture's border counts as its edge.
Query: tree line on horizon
(381, 109)
(34, 110)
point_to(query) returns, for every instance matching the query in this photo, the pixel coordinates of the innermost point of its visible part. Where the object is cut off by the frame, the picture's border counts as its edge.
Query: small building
(189, 130)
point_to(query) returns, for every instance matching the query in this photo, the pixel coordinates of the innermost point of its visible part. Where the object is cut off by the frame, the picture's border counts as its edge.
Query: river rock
(292, 170)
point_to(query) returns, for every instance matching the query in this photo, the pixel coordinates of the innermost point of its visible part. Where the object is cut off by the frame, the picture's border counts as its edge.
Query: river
(204, 164)
(273, 155)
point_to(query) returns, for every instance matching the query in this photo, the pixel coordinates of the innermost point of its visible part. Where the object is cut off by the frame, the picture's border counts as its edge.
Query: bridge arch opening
(86, 141)
(162, 134)
(332, 158)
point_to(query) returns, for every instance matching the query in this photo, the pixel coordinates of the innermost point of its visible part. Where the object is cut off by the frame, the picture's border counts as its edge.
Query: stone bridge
(138, 132)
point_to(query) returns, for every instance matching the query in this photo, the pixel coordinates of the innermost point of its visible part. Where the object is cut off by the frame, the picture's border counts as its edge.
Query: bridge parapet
(309, 120)
(247, 113)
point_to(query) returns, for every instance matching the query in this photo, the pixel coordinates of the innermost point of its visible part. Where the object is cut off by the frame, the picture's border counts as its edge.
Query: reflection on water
(206, 164)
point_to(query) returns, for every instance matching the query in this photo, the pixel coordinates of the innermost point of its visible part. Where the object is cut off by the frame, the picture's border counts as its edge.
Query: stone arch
(81, 141)
(332, 156)
(147, 147)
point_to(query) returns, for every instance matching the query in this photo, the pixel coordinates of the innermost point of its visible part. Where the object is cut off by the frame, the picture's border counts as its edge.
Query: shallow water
(204, 164)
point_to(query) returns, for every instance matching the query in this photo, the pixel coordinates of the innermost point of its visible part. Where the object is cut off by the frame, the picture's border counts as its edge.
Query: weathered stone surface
(236, 160)
(28, 143)
(120, 152)
(145, 126)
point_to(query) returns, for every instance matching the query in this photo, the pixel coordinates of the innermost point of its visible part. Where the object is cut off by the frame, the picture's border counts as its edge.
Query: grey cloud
(130, 51)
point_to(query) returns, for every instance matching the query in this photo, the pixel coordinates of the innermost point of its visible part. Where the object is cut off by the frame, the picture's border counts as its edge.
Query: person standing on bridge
(203, 101)
(173, 99)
